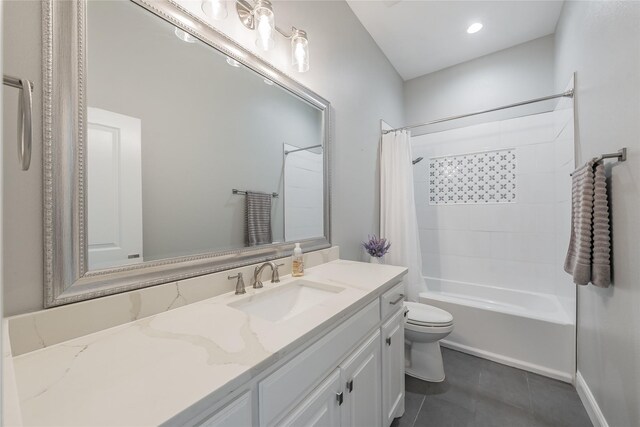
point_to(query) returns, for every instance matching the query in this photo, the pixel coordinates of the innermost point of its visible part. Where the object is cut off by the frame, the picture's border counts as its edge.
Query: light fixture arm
(285, 35)
(245, 13)
(250, 11)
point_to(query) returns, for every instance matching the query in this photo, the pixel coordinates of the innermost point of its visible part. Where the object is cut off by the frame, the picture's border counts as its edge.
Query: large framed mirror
(170, 151)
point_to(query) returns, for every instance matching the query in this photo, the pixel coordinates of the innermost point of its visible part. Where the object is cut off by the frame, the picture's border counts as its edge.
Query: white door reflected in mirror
(114, 181)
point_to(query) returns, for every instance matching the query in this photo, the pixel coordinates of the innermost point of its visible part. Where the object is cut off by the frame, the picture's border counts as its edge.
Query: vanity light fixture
(184, 36)
(258, 15)
(474, 28)
(299, 50)
(266, 25)
(214, 9)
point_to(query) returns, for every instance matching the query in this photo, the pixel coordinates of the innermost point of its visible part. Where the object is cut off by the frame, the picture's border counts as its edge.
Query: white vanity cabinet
(237, 413)
(331, 383)
(362, 379)
(350, 397)
(393, 367)
(321, 408)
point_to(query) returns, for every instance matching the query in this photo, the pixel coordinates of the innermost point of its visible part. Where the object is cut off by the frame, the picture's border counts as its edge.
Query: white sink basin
(286, 301)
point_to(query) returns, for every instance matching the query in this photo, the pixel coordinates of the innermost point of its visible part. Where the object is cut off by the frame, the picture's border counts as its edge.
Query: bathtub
(526, 330)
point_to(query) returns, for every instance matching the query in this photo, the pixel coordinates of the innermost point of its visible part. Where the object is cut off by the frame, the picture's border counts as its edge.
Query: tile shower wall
(303, 194)
(512, 245)
(475, 178)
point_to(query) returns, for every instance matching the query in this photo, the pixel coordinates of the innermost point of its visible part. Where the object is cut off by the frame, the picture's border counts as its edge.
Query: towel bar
(235, 191)
(621, 155)
(25, 135)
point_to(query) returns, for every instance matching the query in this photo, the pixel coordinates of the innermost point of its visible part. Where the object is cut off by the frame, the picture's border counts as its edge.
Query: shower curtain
(398, 220)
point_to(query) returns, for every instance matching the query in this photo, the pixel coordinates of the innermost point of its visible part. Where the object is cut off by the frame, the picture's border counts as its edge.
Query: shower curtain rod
(567, 94)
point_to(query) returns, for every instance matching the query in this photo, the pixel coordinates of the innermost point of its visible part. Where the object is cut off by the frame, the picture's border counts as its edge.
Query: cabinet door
(321, 408)
(393, 368)
(362, 382)
(235, 414)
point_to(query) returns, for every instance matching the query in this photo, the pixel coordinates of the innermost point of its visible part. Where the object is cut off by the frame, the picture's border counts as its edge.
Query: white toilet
(424, 328)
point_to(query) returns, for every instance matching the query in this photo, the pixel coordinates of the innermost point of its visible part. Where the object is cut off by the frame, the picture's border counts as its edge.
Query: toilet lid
(428, 315)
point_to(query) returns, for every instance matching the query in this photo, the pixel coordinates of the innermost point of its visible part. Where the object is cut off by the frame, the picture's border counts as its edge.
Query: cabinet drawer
(282, 389)
(392, 300)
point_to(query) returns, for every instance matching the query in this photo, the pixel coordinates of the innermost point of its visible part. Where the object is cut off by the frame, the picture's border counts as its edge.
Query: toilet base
(426, 362)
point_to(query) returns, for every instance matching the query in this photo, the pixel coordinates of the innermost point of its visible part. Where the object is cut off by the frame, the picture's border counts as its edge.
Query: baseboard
(505, 360)
(589, 402)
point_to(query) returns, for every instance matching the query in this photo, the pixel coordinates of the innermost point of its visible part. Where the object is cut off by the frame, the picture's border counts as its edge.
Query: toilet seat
(427, 315)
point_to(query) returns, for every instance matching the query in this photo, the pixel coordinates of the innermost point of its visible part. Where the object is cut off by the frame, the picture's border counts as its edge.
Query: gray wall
(347, 68)
(601, 42)
(207, 127)
(22, 191)
(508, 76)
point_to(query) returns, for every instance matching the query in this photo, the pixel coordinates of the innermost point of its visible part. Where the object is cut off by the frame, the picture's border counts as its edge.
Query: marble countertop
(147, 371)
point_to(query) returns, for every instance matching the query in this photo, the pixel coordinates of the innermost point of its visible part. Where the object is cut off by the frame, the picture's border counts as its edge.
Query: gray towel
(258, 218)
(588, 257)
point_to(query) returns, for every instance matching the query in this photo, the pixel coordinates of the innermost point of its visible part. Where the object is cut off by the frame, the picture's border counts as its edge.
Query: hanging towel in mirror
(258, 218)
(588, 256)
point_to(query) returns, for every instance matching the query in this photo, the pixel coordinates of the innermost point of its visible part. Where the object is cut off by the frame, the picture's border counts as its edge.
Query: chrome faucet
(239, 284)
(257, 273)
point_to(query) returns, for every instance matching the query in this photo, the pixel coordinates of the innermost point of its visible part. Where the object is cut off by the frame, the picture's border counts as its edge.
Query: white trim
(509, 361)
(590, 403)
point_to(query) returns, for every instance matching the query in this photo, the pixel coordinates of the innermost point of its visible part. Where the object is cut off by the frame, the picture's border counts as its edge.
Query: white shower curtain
(398, 220)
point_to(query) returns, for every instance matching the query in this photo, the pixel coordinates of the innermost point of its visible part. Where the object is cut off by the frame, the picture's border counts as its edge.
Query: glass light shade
(265, 25)
(184, 36)
(233, 62)
(215, 9)
(300, 51)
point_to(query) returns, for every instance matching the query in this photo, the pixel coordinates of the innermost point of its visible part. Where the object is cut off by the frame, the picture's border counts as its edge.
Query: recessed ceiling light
(474, 28)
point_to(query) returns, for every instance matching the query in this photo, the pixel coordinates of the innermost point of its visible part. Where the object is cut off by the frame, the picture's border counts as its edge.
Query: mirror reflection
(189, 152)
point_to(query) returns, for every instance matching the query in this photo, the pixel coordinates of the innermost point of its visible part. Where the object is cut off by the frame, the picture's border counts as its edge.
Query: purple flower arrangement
(376, 247)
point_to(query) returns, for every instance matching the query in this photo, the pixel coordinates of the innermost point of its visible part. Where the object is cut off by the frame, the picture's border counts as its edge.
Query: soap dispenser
(297, 262)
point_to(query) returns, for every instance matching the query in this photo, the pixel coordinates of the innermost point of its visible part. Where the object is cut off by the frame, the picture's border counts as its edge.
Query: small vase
(376, 260)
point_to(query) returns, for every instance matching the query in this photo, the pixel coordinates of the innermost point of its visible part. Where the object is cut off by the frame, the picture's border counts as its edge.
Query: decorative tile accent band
(475, 178)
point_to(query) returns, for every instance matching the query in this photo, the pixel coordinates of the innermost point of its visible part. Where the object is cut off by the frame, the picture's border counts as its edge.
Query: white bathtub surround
(148, 371)
(511, 245)
(527, 330)
(506, 257)
(398, 222)
(44, 328)
(304, 201)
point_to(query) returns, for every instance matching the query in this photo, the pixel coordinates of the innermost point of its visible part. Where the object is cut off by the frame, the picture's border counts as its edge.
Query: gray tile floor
(479, 393)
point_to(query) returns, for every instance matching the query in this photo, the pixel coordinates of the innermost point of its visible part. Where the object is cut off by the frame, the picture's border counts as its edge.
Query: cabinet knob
(340, 398)
(350, 385)
(388, 340)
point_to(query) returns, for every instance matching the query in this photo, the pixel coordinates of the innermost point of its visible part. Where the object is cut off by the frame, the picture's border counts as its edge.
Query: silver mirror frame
(67, 278)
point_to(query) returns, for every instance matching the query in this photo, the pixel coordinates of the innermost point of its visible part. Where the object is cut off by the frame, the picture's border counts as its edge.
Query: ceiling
(420, 37)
